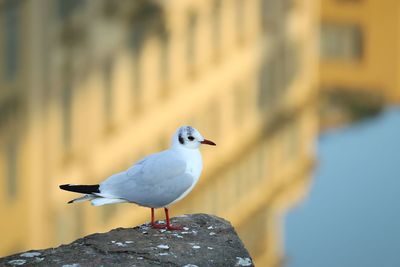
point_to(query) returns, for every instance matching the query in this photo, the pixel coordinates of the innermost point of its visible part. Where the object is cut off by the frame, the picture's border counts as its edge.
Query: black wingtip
(84, 189)
(64, 186)
(71, 201)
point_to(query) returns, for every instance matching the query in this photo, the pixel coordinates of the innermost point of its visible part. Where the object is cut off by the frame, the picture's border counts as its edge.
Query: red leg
(153, 223)
(169, 226)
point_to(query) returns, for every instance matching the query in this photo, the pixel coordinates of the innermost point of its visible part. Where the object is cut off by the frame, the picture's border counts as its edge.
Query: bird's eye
(191, 138)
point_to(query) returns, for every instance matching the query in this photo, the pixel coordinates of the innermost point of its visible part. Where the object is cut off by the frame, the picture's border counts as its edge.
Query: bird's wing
(155, 181)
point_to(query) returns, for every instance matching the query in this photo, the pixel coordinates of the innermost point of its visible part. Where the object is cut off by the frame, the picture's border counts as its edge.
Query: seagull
(156, 181)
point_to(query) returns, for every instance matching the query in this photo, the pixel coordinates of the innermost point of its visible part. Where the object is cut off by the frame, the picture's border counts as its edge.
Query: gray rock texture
(205, 241)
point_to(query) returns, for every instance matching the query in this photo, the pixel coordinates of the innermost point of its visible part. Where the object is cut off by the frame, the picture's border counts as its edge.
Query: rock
(144, 246)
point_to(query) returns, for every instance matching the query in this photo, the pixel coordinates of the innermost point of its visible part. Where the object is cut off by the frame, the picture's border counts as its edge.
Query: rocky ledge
(205, 241)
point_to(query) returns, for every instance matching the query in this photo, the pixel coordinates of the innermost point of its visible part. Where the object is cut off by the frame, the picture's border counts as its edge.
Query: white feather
(104, 201)
(81, 199)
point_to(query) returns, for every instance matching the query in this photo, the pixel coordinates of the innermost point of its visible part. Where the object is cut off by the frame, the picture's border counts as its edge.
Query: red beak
(208, 142)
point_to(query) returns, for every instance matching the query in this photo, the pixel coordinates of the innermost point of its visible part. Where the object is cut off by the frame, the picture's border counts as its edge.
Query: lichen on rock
(144, 246)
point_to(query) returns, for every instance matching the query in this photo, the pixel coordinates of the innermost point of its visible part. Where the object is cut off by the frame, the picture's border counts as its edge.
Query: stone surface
(206, 241)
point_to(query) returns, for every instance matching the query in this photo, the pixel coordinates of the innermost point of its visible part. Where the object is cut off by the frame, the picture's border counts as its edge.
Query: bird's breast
(194, 165)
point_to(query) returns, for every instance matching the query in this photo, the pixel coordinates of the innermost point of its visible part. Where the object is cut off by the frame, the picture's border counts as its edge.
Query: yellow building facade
(360, 46)
(89, 87)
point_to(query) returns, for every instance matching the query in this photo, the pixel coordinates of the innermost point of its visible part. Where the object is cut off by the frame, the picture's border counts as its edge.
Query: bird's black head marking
(189, 130)
(180, 138)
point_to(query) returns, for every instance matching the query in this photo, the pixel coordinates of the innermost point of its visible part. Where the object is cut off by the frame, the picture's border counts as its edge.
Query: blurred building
(360, 46)
(89, 87)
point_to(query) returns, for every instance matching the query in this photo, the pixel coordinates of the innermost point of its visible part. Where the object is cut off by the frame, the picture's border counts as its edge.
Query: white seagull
(156, 181)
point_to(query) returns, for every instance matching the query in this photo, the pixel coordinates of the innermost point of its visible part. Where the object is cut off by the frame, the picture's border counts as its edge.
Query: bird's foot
(174, 227)
(158, 225)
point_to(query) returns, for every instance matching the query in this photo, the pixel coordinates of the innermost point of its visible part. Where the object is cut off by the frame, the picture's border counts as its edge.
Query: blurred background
(89, 87)
(351, 215)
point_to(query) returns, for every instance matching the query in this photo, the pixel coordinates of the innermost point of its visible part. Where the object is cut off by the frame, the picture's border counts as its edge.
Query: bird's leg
(153, 223)
(152, 216)
(169, 226)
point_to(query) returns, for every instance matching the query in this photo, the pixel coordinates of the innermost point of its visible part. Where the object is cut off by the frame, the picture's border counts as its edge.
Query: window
(213, 121)
(66, 7)
(239, 180)
(67, 98)
(270, 75)
(239, 18)
(191, 39)
(262, 166)
(349, 1)
(291, 141)
(271, 15)
(108, 89)
(11, 39)
(137, 80)
(136, 42)
(265, 84)
(279, 73)
(216, 26)
(11, 151)
(164, 60)
(240, 103)
(291, 62)
(343, 42)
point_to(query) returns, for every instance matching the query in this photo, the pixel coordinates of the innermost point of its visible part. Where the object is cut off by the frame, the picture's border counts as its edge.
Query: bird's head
(189, 137)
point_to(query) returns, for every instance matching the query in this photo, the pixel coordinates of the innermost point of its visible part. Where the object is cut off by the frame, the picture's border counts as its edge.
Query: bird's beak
(208, 142)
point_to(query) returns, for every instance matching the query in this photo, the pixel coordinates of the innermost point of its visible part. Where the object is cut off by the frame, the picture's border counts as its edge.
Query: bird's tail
(88, 190)
(84, 189)
(91, 193)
